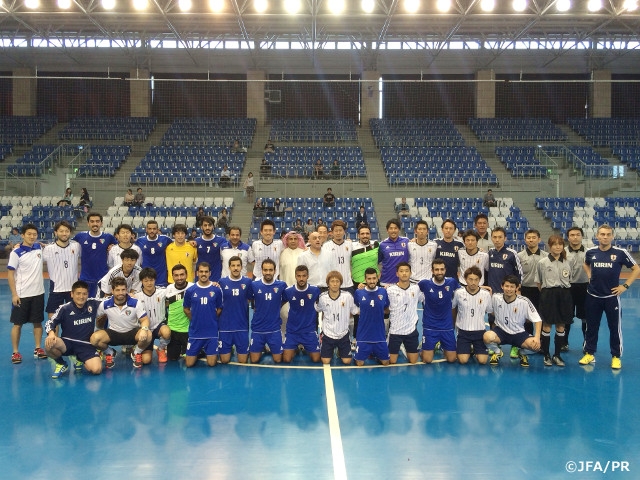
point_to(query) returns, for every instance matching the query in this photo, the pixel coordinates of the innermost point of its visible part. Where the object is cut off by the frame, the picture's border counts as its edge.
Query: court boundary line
(337, 367)
(337, 451)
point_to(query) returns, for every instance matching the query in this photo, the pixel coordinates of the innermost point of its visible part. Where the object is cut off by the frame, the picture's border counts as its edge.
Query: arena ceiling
(87, 37)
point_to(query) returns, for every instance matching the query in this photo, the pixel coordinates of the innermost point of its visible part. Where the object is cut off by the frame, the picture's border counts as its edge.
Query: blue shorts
(273, 339)
(380, 350)
(410, 342)
(239, 339)
(466, 338)
(330, 344)
(56, 299)
(514, 339)
(209, 345)
(82, 351)
(309, 341)
(447, 339)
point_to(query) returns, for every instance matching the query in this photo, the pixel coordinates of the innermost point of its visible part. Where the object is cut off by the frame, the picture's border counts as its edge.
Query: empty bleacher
(291, 162)
(313, 130)
(104, 160)
(607, 132)
(515, 129)
(33, 163)
(629, 155)
(589, 162)
(19, 130)
(210, 131)
(135, 129)
(434, 132)
(187, 165)
(521, 161)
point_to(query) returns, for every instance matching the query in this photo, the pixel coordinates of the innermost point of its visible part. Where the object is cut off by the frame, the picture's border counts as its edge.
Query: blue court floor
(436, 421)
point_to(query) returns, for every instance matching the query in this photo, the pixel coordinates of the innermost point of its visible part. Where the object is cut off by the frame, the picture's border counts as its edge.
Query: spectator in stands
(269, 147)
(318, 169)
(278, 208)
(139, 198)
(129, 198)
(223, 219)
(193, 235)
(489, 200)
(237, 148)
(403, 208)
(265, 169)
(258, 208)
(298, 227)
(329, 199)
(225, 176)
(361, 217)
(335, 170)
(200, 214)
(85, 200)
(66, 200)
(14, 239)
(309, 227)
(249, 188)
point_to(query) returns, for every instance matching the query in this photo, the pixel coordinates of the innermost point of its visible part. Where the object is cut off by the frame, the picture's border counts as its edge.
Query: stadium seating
(34, 163)
(291, 162)
(210, 131)
(607, 132)
(108, 128)
(19, 130)
(433, 132)
(313, 130)
(521, 161)
(515, 129)
(104, 160)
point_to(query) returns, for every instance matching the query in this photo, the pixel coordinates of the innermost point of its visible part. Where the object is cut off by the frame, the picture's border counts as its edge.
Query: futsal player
(265, 325)
(127, 323)
(62, 257)
(234, 319)
(265, 248)
(422, 252)
(77, 320)
(154, 300)
(404, 297)
(202, 305)
(336, 307)
(448, 247)
(208, 245)
(511, 312)
(373, 303)
(24, 272)
(470, 304)
(124, 235)
(470, 256)
(180, 252)
(95, 246)
(392, 250)
(128, 269)
(603, 265)
(153, 247)
(177, 320)
(339, 252)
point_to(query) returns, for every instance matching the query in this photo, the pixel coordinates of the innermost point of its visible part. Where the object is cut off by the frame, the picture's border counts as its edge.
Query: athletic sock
(60, 361)
(567, 329)
(545, 341)
(137, 350)
(162, 343)
(108, 351)
(559, 341)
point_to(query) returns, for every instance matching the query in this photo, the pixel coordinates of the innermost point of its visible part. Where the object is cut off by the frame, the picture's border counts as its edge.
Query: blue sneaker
(60, 369)
(77, 366)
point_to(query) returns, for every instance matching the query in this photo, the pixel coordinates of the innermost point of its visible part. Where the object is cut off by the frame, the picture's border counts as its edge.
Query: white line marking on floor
(339, 466)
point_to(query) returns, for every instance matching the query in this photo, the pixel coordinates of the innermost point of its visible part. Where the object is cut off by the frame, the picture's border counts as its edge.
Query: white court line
(334, 367)
(339, 467)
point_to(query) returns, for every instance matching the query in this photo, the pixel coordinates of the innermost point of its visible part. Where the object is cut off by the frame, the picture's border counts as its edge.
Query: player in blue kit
(95, 250)
(208, 245)
(302, 327)
(268, 294)
(202, 304)
(234, 319)
(374, 304)
(393, 250)
(77, 320)
(437, 318)
(153, 247)
(603, 265)
(448, 248)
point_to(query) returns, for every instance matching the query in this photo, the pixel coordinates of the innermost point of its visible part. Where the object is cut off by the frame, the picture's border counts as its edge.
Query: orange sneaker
(162, 355)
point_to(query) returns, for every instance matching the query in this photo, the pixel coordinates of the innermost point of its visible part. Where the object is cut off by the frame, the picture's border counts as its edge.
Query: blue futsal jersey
(502, 262)
(390, 254)
(438, 302)
(372, 304)
(606, 266)
(203, 302)
(77, 324)
(302, 311)
(153, 256)
(448, 252)
(209, 251)
(268, 301)
(94, 254)
(235, 297)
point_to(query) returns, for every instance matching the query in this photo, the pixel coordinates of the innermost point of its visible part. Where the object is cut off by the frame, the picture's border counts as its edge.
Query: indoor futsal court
(421, 421)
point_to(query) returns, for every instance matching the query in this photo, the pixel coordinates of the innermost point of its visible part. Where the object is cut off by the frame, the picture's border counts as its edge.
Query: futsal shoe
(565, 348)
(557, 360)
(137, 360)
(495, 360)
(514, 352)
(61, 368)
(587, 359)
(16, 358)
(524, 361)
(109, 361)
(77, 366)
(616, 364)
(547, 361)
(162, 355)
(39, 353)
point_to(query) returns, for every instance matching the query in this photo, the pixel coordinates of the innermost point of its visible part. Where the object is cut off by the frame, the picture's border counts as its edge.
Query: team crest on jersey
(215, 244)
(455, 248)
(505, 256)
(38, 255)
(342, 303)
(275, 290)
(159, 244)
(403, 244)
(89, 309)
(565, 273)
(127, 312)
(102, 240)
(211, 294)
(515, 310)
(613, 258)
(243, 286)
(379, 297)
(309, 296)
(447, 288)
